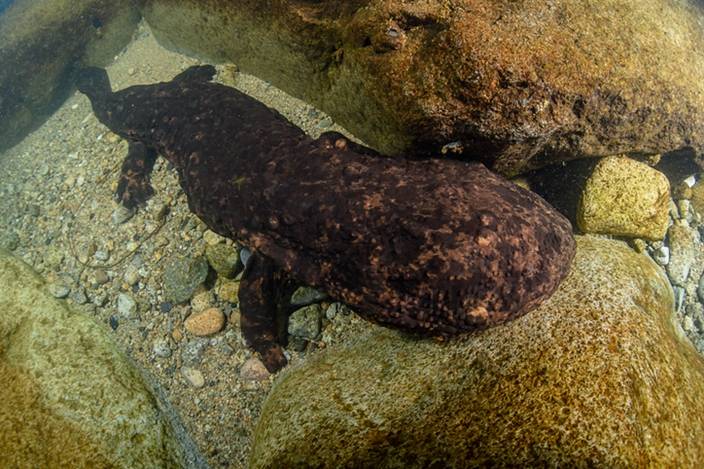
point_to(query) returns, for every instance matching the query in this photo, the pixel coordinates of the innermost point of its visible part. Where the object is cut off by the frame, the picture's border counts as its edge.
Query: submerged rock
(518, 84)
(624, 197)
(183, 276)
(597, 375)
(42, 43)
(69, 397)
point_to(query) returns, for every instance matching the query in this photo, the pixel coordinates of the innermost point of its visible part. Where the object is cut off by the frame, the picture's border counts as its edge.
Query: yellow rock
(596, 376)
(208, 322)
(624, 197)
(698, 197)
(69, 398)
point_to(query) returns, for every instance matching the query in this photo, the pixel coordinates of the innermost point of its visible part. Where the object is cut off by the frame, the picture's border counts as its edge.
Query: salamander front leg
(134, 188)
(260, 314)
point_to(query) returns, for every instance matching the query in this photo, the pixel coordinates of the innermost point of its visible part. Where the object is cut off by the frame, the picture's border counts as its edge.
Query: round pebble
(205, 323)
(126, 305)
(700, 289)
(254, 370)
(58, 290)
(182, 276)
(305, 322)
(194, 376)
(211, 238)
(162, 348)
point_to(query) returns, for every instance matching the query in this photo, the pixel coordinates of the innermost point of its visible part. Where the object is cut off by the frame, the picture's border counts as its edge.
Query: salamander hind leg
(260, 320)
(134, 187)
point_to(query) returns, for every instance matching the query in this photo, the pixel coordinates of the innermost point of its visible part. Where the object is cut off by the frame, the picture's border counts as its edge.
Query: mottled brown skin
(436, 247)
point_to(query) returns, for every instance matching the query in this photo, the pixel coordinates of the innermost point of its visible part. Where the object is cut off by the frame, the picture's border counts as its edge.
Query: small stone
(205, 323)
(79, 296)
(682, 191)
(305, 322)
(211, 238)
(131, 275)
(325, 123)
(245, 254)
(100, 277)
(121, 214)
(162, 348)
(192, 352)
(700, 289)
(202, 300)
(228, 290)
(165, 306)
(254, 370)
(224, 259)
(690, 181)
(177, 335)
(126, 306)
(638, 245)
(336, 309)
(113, 322)
(102, 255)
(682, 240)
(661, 255)
(688, 324)
(683, 206)
(182, 276)
(100, 299)
(131, 71)
(193, 376)
(306, 295)
(58, 290)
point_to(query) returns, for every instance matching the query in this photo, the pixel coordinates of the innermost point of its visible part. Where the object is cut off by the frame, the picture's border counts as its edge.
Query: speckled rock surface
(40, 44)
(698, 197)
(70, 398)
(519, 84)
(595, 376)
(624, 197)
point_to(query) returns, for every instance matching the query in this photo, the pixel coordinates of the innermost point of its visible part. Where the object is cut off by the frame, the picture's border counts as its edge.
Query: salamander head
(94, 83)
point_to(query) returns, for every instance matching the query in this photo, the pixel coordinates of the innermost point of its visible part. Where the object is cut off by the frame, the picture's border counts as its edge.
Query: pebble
(113, 322)
(700, 289)
(205, 323)
(690, 181)
(228, 290)
(688, 324)
(192, 352)
(254, 370)
(306, 295)
(102, 255)
(211, 238)
(201, 300)
(165, 306)
(9, 240)
(682, 244)
(335, 309)
(79, 296)
(193, 376)
(680, 295)
(100, 298)
(131, 71)
(58, 290)
(100, 277)
(305, 322)
(661, 255)
(245, 254)
(121, 214)
(224, 259)
(162, 348)
(325, 123)
(131, 275)
(182, 276)
(126, 305)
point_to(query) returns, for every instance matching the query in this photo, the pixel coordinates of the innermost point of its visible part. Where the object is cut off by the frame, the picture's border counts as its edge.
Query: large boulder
(596, 376)
(69, 398)
(43, 43)
(518, 84)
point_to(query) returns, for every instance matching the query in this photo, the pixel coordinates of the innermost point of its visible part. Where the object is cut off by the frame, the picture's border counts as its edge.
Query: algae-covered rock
(683, 244)
(182, 276)
(519, 84)
(69, 398)
(224, 259)
(698, 197)
(43, 43)
(597, 376)
(624, 197)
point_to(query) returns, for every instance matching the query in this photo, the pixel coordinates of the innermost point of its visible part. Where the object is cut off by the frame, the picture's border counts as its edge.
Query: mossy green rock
(43, 43)
(518, 84)
(182, 276)
(597, 376)
(69, 398)
(624, 197)
(224, 259)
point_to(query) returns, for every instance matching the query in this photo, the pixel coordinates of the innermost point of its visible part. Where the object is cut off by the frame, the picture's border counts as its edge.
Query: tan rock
(205, 323)
(624, 197)
(69, 397)
(254, 370)
(228, 290)
(518, 84)
(698, 197)
(597, 375)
